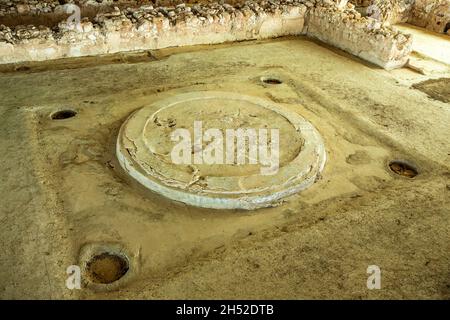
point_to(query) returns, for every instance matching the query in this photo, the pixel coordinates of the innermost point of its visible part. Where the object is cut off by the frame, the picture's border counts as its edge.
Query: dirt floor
(63, 191)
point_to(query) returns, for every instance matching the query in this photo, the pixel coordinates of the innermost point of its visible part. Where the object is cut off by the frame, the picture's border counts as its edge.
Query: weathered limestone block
(359, 36)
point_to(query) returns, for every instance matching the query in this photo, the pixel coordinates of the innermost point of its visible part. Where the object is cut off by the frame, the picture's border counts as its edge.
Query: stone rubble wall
(9, 7)
(149, 27)
(390, 11)
(431, 14)
(395, 11)
(360, 36)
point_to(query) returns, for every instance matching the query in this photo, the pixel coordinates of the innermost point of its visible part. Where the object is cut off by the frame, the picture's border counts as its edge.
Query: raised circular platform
(150, 137)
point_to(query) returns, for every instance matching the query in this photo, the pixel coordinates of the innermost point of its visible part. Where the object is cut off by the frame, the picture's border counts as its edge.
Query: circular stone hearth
(151, 136)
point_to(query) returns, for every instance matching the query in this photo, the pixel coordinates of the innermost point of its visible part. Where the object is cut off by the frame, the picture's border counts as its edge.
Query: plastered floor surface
(62, 189)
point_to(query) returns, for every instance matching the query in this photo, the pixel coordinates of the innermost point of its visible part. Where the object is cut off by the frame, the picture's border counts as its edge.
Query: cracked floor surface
(62, 188)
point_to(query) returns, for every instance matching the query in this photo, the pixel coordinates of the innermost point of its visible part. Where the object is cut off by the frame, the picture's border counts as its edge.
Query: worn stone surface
(61, 189)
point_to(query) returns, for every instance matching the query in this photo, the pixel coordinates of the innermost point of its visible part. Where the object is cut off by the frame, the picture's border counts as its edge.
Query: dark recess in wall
(447, 27)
